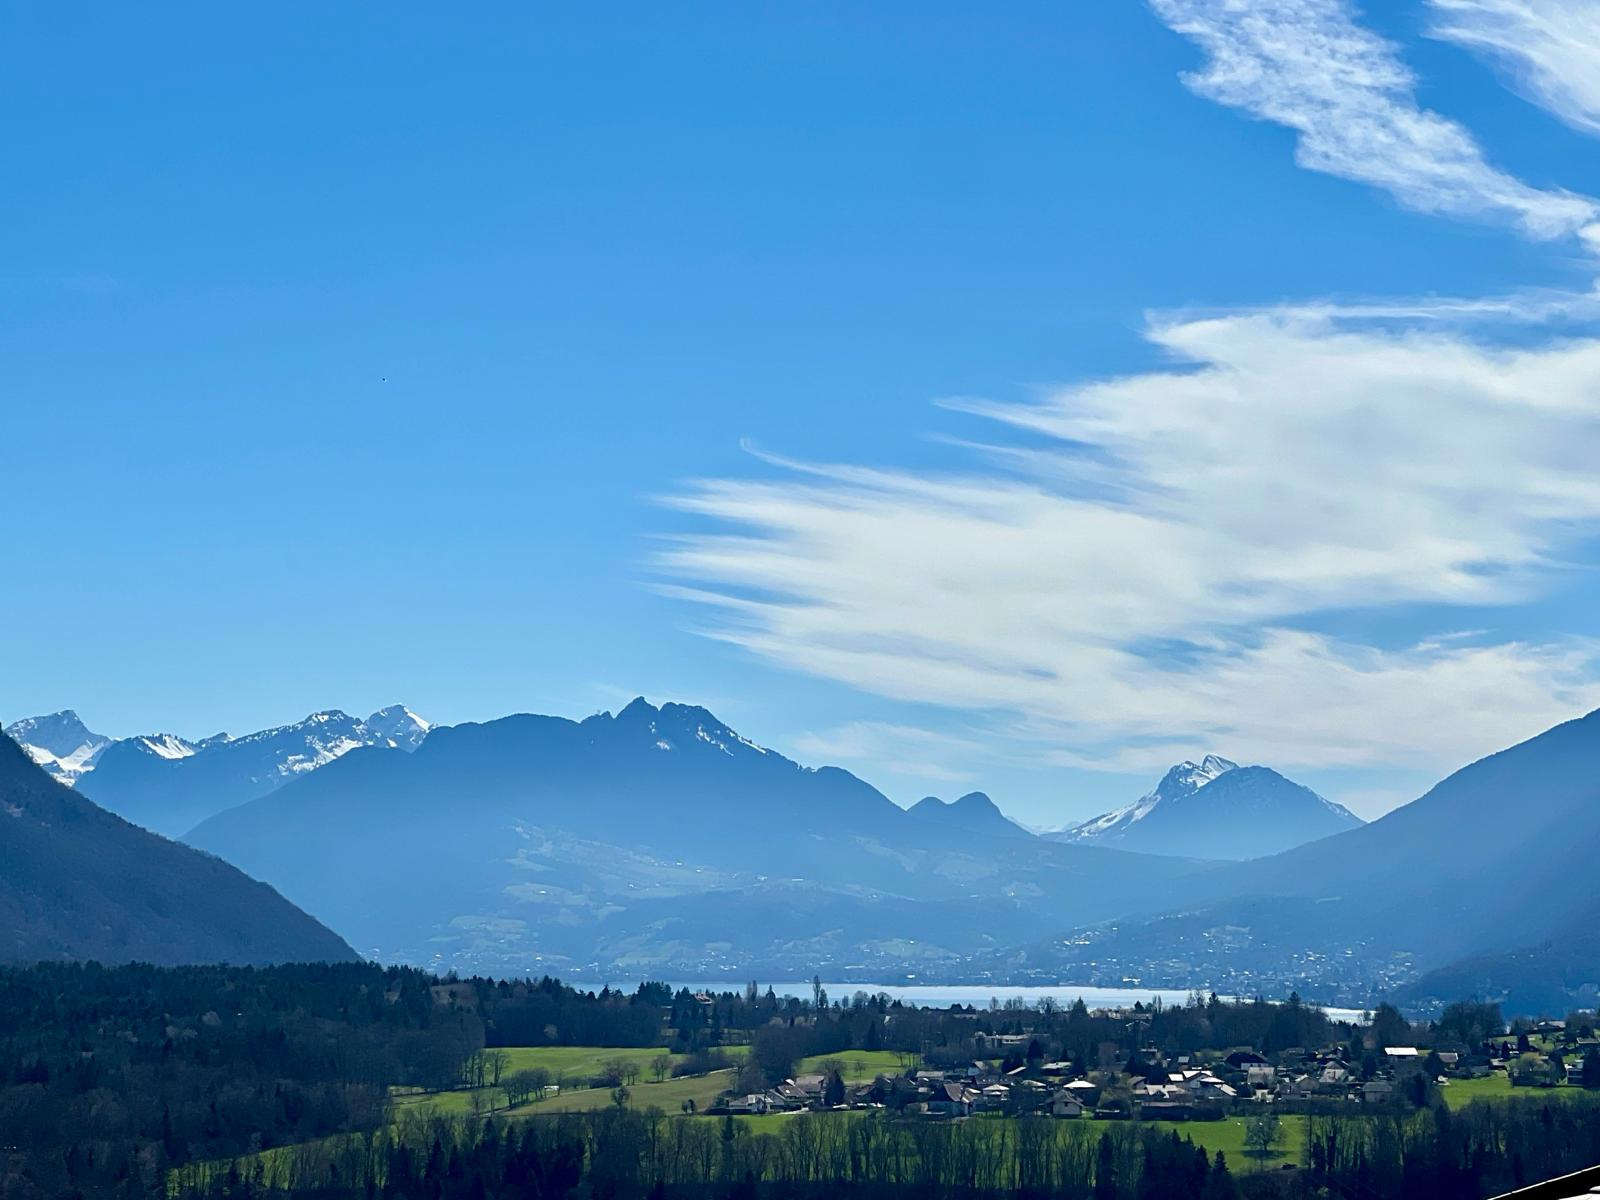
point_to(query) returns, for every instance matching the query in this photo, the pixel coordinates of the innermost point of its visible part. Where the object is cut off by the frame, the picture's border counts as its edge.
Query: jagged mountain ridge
(655, 839)
(78, 882)
(170, 784)
(1216, 809)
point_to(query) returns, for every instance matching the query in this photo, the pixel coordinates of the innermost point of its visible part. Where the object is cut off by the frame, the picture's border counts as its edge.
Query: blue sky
(1016, 399)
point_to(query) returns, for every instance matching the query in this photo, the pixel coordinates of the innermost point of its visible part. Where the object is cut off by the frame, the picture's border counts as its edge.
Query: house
(1301, 1087)
(1065, 1104)
(749, 1105)
(1163, 1101)
(891, 1091)
(1261, 1075)
(785, 1098)
(950, 1100)
(1085, 1091)
(1377, 1091)
(1209, 1087)
(995, 1096)
(1030, 1096)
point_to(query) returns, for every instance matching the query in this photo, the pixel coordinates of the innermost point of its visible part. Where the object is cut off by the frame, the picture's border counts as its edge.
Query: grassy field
(1228, 1136)
(588, 1061)
(667, 1096)
(860, 1066)
(582, 1063)
(578, 1065)
(1497, 1086)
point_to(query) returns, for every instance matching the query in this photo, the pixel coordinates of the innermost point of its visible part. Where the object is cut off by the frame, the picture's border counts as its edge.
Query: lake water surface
(942, 995)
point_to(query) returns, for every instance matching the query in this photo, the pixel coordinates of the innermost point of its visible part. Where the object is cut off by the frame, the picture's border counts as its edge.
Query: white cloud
(1149, 577)
(902, 749)
(1550, 48)
(1308, 65)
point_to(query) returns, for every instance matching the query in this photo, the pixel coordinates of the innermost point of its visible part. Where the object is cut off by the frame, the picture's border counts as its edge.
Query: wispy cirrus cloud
(1549, 48)
(1310, 66)
(907, 750)
(1151, 563)
(1153, 574)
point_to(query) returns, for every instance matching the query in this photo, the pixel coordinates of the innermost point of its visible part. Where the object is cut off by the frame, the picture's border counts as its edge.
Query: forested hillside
(77, 882)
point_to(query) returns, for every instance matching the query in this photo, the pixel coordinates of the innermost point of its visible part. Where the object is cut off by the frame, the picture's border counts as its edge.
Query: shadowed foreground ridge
(77, 882)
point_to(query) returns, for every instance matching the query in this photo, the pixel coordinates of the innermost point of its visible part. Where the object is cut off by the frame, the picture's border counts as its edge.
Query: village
(1011, 1074)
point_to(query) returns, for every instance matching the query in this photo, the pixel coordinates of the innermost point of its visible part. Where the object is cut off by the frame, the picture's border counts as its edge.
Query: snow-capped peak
(1185, 779)
(60, 743)
(399, 725)
(61, 733)
(1189, 777)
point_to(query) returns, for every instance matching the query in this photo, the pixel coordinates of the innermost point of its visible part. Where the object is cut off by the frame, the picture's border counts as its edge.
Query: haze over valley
(624, 845)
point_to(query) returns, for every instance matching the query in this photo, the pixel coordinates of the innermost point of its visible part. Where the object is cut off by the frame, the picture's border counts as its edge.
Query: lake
(942, 995)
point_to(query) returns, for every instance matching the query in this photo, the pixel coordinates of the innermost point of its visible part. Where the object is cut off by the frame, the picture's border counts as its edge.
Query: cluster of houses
(1148, 1088)
(944, 1093)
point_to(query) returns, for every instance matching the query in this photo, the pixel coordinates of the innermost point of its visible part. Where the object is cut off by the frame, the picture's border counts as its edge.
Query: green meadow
(1497, 1086)
(859, 1066)
(578, 1066)
(1228, 1136)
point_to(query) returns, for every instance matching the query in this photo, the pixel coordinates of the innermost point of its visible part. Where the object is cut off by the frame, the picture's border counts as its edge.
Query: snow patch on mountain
(1185, 779)
(60, 743)
(68, 750)
(399, 725)
(168, 745)
(1216, 809)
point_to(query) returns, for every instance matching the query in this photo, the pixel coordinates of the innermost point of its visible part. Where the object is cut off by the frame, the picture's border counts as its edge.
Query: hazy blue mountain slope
(77, 882)
(974, 812)
(1497, 857)
(540, 840)
(1217, 809)
(1556, 976)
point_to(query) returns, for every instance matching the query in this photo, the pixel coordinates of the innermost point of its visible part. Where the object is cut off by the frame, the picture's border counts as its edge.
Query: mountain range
(652, 840)
(657, 841)
(77, 882)
(168, 784)
(1217, 809)
(1485, 878)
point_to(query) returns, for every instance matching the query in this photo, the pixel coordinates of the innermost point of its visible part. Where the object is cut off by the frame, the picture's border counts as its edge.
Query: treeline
(547, 1012)
(619, 1154)
(109, 1076)
(1484, 1150)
